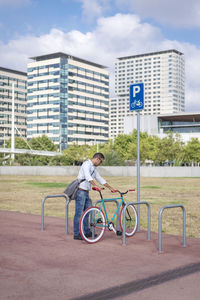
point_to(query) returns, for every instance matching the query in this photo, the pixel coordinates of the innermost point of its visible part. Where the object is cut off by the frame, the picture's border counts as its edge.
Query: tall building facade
(68, 100)
(163, 76)
(9, 77)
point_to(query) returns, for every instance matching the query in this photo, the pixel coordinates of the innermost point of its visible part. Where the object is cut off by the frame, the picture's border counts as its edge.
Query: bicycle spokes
(130, 219)
(92, 225)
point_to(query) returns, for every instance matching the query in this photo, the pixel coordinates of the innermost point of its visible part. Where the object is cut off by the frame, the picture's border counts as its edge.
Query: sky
(101, 31)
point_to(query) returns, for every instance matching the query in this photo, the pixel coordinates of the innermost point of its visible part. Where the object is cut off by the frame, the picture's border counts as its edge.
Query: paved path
(47, 264)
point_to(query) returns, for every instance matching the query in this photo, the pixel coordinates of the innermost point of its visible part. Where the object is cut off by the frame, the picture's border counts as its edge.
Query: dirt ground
(49, 265)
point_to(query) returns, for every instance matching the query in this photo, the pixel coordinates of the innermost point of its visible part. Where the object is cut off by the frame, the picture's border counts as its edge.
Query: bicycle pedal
(99, 220)
(118, 232)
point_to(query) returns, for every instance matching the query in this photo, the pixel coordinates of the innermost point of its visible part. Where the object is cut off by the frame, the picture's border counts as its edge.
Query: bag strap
(85, 179)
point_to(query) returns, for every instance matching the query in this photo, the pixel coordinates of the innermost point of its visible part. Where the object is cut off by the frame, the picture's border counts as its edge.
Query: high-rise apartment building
(163, 76)
(68, 100)
(9, 77)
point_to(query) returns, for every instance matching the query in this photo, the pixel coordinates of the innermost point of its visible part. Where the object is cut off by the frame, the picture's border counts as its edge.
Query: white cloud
(120, 35)
(93, 9)
(180, 13)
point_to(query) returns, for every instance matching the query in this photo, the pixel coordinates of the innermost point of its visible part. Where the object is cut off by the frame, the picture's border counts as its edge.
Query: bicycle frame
(102, 205)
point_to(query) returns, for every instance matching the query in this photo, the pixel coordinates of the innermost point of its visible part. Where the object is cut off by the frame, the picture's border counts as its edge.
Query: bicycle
(98, 221)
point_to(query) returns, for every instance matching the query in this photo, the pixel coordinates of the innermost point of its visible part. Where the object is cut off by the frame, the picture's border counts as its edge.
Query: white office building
(12, 83)
(68, 100)
(163, 76)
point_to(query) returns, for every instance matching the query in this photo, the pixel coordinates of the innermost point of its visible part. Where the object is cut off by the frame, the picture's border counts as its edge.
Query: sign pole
(138, 168)
(137, 104)
(13, 125)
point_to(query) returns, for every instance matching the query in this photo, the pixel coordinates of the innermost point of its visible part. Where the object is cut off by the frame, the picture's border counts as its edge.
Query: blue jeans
(82, 202)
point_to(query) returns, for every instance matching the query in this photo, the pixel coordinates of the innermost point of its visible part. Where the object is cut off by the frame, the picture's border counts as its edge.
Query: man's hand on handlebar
(98, 188)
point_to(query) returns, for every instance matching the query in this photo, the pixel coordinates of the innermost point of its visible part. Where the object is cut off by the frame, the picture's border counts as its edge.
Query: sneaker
(78, 237)
(89, 234)
(119, 232)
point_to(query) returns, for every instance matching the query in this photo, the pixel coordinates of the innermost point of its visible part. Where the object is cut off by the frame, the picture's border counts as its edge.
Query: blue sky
(100, 31)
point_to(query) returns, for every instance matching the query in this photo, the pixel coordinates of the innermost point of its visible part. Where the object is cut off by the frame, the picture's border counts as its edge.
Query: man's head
(97, 159)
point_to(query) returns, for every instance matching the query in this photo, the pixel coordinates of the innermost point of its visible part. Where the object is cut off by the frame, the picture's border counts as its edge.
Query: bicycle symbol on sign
(136, 104)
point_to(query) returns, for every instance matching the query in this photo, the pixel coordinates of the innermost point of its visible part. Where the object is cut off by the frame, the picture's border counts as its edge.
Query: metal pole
(124, 219)
(138, 168)
(13, 124)
(66, 217)
(160, 230)
(184, 226)
(66, 210)
(160, 224)
(42, 213)
(124, 226)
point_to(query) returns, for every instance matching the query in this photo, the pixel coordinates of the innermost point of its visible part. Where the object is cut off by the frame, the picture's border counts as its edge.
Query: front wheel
(96, 221)
(130, 219)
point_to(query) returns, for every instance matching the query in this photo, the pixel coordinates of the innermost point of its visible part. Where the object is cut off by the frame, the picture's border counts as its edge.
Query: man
(88, 171)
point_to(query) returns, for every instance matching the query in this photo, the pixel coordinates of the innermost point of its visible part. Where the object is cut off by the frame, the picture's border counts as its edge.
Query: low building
(186, 124)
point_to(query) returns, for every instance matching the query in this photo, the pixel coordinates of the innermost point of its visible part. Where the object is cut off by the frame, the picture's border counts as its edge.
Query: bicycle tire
(96, 226)
(131, 220)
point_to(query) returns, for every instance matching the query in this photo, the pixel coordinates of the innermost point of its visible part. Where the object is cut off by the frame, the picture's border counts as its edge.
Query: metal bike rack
(160, 224)
(66, 210)
(117, 203)
(124, 223)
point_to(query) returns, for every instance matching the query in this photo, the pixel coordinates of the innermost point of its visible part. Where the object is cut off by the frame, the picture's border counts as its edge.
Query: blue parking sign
(137, 96)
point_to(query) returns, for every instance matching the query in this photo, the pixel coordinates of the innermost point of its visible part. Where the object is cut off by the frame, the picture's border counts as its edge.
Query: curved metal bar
(117, 203)
(148, 216)
(66, 210)
(160, 224)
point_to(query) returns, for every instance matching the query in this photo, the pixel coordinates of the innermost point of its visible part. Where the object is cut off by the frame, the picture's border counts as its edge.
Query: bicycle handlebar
(96, 188)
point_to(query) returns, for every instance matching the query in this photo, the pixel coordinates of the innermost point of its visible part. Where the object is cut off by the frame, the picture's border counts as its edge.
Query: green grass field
(25, 193)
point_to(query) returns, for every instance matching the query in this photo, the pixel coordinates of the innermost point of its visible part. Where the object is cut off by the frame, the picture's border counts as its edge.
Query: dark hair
(99, 155)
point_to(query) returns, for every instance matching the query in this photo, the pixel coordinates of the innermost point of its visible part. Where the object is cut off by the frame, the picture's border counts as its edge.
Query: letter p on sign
(136, 90)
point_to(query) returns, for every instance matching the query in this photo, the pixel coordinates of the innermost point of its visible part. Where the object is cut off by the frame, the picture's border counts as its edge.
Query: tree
(20, 143)
(144, 147)
(192, 152)
(42, 143)
(20, 159)
(122, 144)
(152, 146)
(77, 153)
(112, 158)
(61, 160)
(169, 149)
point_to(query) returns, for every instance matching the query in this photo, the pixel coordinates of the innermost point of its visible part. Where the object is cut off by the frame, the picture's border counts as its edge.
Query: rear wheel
(130, 219)
(96, 224)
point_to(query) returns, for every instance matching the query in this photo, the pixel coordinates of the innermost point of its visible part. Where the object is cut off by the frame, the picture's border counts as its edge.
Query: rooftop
(151, 53)
(64, 55)
(13, 71)
(184, 116)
